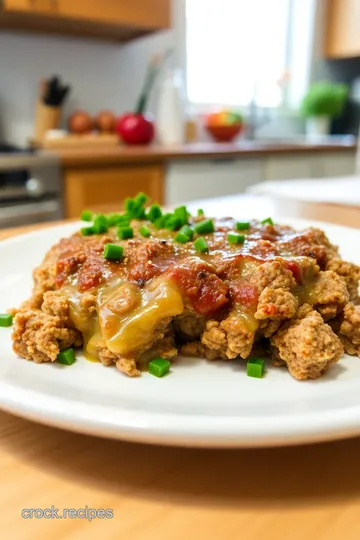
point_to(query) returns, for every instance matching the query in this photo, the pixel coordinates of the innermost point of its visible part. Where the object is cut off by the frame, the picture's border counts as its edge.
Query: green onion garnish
(159, 367)
(154, 213)
(87, 215)
(200, 212)
(201, 245)
(159, 222)
(129, 205)
(125, 232)
(66, 357)
(204, 227)
(255, 367)
(242, 225)
(172, 222)
(145, 231)
(118, 219)
(188, 231)
(140, 199)
(100, 224)
(184, 235)
(113, 252)
(87, 231)
(234, 238)
(267, 221)
(182, 213)
(181, 238)
(5, 320)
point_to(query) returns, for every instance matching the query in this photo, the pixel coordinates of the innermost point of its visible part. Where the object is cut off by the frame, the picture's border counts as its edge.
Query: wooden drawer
(104, 189)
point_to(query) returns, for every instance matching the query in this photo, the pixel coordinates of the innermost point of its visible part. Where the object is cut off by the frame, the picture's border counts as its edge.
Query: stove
(30, 186)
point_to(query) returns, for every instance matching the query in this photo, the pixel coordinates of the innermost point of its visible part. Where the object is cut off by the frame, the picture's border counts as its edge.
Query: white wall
(102, 74)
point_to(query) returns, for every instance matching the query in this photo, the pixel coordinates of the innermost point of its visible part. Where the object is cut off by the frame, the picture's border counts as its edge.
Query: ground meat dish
(285, 291)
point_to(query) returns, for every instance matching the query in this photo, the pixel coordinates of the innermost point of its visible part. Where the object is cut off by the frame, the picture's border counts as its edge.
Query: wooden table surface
(161, 493)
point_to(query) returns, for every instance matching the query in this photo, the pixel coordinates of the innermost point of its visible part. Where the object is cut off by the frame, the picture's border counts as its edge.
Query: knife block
(46, 118)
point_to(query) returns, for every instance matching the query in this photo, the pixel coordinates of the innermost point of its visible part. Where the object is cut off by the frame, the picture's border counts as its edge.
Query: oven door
(27, 213)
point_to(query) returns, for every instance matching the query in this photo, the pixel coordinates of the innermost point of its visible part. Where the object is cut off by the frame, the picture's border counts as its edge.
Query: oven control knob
(35, 187)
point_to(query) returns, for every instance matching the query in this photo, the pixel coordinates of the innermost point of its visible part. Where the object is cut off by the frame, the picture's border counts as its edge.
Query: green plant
(324, 99)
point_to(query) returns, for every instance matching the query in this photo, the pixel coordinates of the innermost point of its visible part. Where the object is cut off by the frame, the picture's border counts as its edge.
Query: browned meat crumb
(276, 304)
(198, 349)
(329, 294)
(189, 325)
(40, 337)
(350, 272)
(232, 336)
(308, 346)
(273, 274)
(350, 329)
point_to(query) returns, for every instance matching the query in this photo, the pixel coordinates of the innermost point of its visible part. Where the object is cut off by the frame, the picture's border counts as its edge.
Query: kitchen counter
(100, 178)
(80, 157)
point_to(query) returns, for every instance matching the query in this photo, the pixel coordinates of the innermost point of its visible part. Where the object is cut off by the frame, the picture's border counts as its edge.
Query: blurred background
(181, 99)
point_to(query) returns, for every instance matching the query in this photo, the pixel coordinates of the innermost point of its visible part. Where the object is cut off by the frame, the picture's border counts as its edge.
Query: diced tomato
(244, 293)
(205, 291)
(295, 268)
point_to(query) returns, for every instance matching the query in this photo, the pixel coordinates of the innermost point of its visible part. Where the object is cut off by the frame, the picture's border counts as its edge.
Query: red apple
(135, 128)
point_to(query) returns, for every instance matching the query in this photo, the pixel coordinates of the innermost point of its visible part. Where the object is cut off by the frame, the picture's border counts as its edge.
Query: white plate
(199, 403)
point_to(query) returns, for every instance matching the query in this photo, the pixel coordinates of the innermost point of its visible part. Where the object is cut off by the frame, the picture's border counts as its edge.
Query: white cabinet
(188, 181)
(334, 164)
(200, 179)
(284, 167)
(309, 165)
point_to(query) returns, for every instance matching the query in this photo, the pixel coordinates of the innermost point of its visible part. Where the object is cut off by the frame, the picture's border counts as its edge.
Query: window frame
(298, 84)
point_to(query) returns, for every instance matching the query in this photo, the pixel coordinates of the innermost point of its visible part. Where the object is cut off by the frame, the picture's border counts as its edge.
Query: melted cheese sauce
(126, 317)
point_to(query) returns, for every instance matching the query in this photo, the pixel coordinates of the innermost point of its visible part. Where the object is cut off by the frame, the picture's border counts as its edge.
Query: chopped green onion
(234, 238)
(255, 367)
(87, 215)
(141, 199)
(204, 227)
(5, 320)
(87, 231)
(145, 231)
(172, 222)
(66, 357)
(159, 223)
(159, 367)
(154, 213)
(182, 213)
(113, 252)
(267, 221)
(118, 219)
(139, 213)
(181, 238)
(188, 231)
(184, 235)
(242, 225)
(100, 224)
(129, 205)
(200, 212)
(125, 232)
(201, 245)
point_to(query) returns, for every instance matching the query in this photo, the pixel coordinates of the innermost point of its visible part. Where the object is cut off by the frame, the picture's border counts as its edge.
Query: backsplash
(103, 75)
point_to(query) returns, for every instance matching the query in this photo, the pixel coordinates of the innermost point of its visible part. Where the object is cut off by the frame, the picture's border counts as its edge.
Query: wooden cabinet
(103, 189)
(115, 19)
(342, 30)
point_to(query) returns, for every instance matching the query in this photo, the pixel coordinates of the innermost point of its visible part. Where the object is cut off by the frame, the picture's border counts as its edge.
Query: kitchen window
(239, 51)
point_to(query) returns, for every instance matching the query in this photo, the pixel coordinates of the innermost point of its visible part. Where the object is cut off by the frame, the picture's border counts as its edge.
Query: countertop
(159, 493)
(154, 154)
